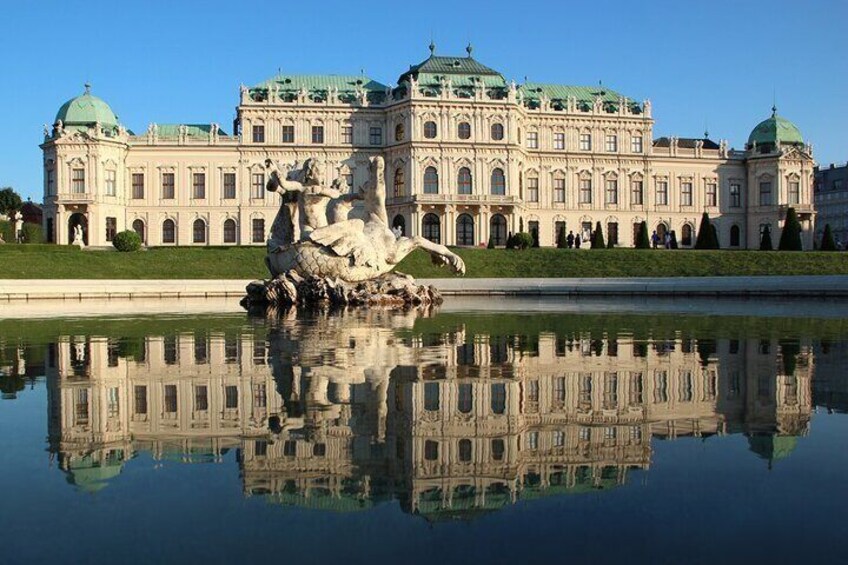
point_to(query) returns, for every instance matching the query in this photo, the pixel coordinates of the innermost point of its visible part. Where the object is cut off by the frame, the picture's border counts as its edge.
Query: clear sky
(718, 64)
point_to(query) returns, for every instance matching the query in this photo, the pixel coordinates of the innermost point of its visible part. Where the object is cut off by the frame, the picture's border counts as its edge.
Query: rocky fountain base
(291, 289)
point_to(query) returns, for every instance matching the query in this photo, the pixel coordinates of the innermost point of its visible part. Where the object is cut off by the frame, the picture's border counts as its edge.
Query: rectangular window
(585, 142)
(168, 190)
(317, 134)
(611, 191)
(585, 191)
(611, 143)
(533, 140)
(258, 230)
(637, 193)
(347, 134)
(171, 399)
(138, 186)
(794, 192)
(257, 186)
(111, 228)
(735, 195)
(636, 144)
(288, 134)
(559, 391)
(612, 233)
(662, 193)
(51, 187)
(201, 398)
(111, 183)
(229, 185)
(636, 389)
(140, 399)
(712, 194)
(559, 141)
(260, 395)
(533, 390)
(198, 184)
(231, 397)
(431, 396)
(559, 190)
(532, 189)
(765, 194)
(498, 398)
(375, 136)
(258, 134)
(686, 193)
(113, 404)
(78, 181)
(170, 351)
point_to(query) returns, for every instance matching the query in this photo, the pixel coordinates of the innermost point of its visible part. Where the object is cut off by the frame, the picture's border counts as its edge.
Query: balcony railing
(455, 198)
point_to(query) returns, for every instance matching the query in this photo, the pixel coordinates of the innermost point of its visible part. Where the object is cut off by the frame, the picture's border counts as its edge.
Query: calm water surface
(437, 437)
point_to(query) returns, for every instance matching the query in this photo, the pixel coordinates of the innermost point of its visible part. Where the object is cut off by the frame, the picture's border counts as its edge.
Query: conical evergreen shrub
(642, 239)
(790, 237)
(598, 237)
(827, 243)
(705, 234)
(765, 240)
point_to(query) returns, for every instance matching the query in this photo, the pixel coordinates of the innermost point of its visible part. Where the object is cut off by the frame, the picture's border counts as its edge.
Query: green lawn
(66, 262)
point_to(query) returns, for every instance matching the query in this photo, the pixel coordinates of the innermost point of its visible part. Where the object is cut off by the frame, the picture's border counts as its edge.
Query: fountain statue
(317, 254)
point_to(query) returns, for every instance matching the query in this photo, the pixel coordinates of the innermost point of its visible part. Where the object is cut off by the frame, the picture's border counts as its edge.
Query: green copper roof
(464, 73)
(319, 85)
(192, 130)
(772, 447)
(560, 93)
(86, 109)
(775, 130)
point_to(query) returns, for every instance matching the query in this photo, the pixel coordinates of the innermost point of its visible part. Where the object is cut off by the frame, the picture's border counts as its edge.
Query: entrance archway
(662, 229)
(77, 219)
(497, 230)
(399, 222)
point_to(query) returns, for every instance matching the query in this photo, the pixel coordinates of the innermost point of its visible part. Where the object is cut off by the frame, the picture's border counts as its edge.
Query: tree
(10, 201)
(790, 237)
(765, 239)
(127, 241)
(642, 239)
(491, 244)
(598, 237)
(32, 233)
(706, 234)
(827, 243)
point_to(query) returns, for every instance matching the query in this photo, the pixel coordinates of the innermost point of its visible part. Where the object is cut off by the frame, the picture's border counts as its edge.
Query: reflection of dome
(772, 447)
(775, 131)
(85, 110)
(92, 476)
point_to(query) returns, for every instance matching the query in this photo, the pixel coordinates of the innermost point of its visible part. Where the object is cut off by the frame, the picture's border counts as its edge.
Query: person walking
(577, 241)
(655, 239)
(570, 239)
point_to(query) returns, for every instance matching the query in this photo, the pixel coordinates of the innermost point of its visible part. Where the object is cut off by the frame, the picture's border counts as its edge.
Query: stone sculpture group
(321, 249)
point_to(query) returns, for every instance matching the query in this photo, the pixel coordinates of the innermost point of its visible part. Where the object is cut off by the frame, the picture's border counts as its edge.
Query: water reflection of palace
(340, 412)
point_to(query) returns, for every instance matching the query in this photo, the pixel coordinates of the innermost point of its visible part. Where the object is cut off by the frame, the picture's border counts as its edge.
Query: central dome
(86, 109)
(775, 131)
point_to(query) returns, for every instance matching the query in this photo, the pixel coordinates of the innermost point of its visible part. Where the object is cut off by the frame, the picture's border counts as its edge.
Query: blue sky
(717, 63)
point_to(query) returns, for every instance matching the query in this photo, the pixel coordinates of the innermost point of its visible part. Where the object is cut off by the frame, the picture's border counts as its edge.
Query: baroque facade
(470, 158)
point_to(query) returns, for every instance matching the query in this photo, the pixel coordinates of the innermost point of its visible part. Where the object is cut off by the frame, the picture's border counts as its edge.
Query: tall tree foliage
(643, 241)
(10, 201)
(828, 243)
(598, 237)
(790, 237)
(765, 240)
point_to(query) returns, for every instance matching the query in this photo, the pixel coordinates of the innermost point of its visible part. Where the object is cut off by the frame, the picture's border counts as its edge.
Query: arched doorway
(734, 236)
(229, 230)
(662, 229)
(199, 231)
(78, 219)
(138, 227)
(399, 222)
(686, 235)
(464, 230)
(431, 228)
(497, 230)
(169, 231)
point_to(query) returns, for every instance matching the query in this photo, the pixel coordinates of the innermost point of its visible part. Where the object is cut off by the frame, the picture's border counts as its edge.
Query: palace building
(470, 157)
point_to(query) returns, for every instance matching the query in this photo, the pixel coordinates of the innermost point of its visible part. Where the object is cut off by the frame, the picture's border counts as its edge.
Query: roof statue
(314, 250)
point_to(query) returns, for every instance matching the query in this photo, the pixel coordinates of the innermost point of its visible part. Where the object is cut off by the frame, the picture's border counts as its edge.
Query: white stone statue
(78, 236)
(348, 250)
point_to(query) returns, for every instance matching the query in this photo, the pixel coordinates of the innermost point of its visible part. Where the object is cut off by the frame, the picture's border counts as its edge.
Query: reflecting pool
(508, 436)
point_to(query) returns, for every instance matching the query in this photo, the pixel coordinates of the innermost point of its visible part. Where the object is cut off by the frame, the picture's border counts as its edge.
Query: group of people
(573, 241)
(669, 240)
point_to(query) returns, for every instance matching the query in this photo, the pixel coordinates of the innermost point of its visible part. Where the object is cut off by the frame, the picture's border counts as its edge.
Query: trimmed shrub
(790, 237)
(673, 243)
(522, 240)
(643, 241)
(598, 237)
(32, 233)
(510, 241)
(560, 240)
(491, 244)
(6, 231)
(765, 240)
(127, 241)
(827, 243)
(706, 234)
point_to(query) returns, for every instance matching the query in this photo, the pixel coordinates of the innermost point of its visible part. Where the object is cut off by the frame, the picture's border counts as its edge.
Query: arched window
(430, 130)
(734, 236)
(686, 235)
(431, 180)
(464, 180)
(431, 228)
(464, 230)
(399, 183)
(662, 229)
(497, 132)
(169, 231)
(498, 182)
(497, 230)
(464, 130)
(399, 132)
(138, 227)
(229, 231)
(399, 222)
(199, 231)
